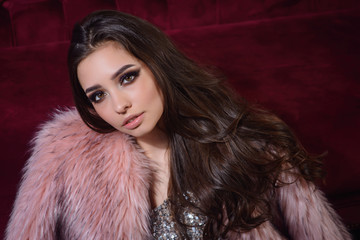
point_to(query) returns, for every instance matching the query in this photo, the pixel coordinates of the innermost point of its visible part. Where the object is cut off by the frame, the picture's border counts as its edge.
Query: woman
(159, 147)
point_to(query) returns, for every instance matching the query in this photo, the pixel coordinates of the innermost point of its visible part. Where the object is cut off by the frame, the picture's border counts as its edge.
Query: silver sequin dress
(163, 223)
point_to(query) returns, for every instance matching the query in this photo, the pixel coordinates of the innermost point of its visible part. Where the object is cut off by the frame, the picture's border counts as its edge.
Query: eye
(97, 96)
(128, 78)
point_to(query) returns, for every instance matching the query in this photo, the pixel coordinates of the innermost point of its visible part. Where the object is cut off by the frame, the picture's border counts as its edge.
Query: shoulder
(66, 129)
(74, 170)
(66, 149)
(64, 125)
(65, 140)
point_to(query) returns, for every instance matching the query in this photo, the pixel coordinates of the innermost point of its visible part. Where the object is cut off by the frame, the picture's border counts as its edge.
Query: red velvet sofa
(299, 58)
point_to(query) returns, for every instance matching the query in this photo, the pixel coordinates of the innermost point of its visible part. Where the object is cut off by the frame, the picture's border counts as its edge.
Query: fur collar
(83, 185)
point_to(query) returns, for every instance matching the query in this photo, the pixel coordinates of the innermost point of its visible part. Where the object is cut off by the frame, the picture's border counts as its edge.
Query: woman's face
(122, 90)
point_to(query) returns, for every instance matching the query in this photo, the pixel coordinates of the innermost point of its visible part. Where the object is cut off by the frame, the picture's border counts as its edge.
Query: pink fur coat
(79, 184)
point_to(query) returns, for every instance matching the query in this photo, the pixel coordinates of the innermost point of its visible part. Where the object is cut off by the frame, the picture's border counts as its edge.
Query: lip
(137, 120)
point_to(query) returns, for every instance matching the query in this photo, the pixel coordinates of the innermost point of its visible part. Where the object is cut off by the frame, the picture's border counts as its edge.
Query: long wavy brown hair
(224, 151)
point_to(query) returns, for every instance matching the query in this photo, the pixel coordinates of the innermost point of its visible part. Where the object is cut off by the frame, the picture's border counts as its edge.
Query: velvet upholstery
(157, 12)
(36, 22)
(299, 58)
(74, 11)
(5, 28)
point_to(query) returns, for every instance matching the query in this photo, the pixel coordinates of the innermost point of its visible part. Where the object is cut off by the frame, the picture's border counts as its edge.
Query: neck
(156, 147)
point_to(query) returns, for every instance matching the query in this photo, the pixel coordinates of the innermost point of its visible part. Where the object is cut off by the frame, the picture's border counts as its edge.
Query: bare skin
(157, 150)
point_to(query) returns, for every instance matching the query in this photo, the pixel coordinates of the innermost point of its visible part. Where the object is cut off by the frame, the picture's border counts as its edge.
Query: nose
(121, 103)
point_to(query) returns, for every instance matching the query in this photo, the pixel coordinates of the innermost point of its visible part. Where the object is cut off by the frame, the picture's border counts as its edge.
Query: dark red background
(299, 58)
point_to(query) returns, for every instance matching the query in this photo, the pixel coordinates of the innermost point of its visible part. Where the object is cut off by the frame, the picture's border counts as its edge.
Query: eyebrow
(121, 70)
(117, 73)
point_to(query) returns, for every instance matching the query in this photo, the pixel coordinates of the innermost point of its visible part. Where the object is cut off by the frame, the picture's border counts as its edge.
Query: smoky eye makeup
(129, 77)
(96, 96)
(124, 79)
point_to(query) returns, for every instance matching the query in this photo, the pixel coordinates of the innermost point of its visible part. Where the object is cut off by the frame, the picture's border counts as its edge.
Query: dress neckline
(162, 205)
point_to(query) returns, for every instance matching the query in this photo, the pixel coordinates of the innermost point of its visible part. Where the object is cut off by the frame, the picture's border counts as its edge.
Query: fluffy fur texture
(79, 184)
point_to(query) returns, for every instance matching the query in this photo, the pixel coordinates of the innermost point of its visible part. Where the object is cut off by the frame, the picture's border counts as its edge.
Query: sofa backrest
(28, 22)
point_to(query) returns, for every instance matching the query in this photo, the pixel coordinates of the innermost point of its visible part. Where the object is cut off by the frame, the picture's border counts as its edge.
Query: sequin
(163, 223)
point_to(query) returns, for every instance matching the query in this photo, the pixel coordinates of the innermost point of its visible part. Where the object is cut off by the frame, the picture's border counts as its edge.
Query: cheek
(103, 112)
(155, 100)
(153, 94)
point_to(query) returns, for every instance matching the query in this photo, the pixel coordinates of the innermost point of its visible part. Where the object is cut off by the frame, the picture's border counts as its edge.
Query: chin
(136, 133)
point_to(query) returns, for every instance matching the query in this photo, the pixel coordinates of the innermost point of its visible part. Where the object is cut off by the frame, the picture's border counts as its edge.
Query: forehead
(108, 52)
(104, 61)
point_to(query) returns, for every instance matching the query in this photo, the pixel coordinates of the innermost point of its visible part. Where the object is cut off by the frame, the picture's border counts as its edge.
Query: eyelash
(124, 80)
(133, 74)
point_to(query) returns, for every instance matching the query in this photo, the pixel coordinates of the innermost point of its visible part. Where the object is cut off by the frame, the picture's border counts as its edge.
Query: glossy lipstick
(133, 121)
